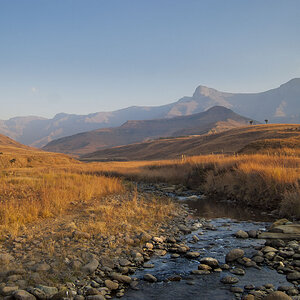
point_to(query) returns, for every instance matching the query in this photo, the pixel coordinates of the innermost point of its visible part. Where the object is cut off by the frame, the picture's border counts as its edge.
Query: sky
(85, 56)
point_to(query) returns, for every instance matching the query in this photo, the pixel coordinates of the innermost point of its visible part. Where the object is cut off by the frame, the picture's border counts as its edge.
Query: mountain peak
(295, 82)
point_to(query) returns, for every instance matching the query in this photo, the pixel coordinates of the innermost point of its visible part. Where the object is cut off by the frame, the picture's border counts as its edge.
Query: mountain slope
(279, 105)
(137, 131)
(14, 154)
(248, 139)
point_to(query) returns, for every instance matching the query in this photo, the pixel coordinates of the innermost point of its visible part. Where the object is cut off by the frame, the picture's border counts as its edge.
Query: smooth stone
(237, 271)
(111, 285)
(200, 272)
(150, 278)
(241, 234)
(293, 276)
(193, 254)
(91, 266)
(23, 295)
(277, 296)
(48, 290)
(121, 278)
(229, 280)
(234, 254)
(212, 262)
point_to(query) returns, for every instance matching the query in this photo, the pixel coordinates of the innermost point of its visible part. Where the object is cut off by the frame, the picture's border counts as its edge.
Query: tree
(266, 120)
(251, 122)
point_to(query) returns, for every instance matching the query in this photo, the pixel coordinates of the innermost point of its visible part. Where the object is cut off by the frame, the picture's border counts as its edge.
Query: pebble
(229, 280)
(150, 278)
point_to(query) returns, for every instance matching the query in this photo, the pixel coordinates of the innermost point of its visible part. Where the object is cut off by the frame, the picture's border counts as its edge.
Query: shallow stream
(226, 218)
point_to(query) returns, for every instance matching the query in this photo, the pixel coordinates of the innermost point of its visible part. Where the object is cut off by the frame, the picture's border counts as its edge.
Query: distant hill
(248, 139)
(279, 105)
(215, 119)
(14, 154)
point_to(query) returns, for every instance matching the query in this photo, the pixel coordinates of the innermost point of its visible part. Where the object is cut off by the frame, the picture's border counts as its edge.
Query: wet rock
(234, 254)
(236, 289)
(200, 272)
(258, 259)
(212, 262)
(229, 280)
(252, 234)
(148, 266)
(293, 276)
(111, 285)
(237, 271)
(124, 262)
(158, 240)
(174, 278)
(277, 296)
(204, 267)
(270, 255)
(241, 234)
(23, 295)
(192, 254)
(175, 255)
(150, 278)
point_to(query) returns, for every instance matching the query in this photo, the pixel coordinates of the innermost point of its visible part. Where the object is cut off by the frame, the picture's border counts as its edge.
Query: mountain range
(217, 118)
(279, 105)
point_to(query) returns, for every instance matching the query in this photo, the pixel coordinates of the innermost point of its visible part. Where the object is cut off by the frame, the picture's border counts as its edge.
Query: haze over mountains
(279, 105)
(217, 118)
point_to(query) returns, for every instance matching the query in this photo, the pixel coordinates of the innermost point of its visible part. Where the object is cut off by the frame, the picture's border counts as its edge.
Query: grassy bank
(269, 181)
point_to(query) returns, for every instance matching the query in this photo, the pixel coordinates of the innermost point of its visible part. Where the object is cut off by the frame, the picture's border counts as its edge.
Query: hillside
(248, 139)
(216, 118)
(279, 105)
(14, 154)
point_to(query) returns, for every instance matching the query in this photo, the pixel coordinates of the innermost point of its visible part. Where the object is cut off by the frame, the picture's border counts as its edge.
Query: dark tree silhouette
(251, 122)
(266, 120)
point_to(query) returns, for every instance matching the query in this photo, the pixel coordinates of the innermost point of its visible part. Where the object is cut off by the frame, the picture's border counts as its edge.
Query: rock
(48, 290)
(149, 246)
(175, 255)
(241, 234)
(248, 297)
(237, 271)
(158, 240)
(37, 293)
(212, 262)
(124, 262)
(64, 294)
(174, 278)
(195, 238)
(184, 229)
(258, 259)
(42, 267)
(192, 254)
(270, 255)
(111, 285)
(268, 249)
(229, 280)
(91, 266)
(95, 297)
(80, 235)
(277, 296)
(148, 266)
(150, 278)
(204, 267)
(252, 234)
(8, 290)
(293, 276)
(234, 254)
(279, 222)
(200, 272)
(236, 289)
(23, 295)
(121, 278)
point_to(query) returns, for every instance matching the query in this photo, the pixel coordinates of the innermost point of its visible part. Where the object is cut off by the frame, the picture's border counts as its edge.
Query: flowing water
(226, 218)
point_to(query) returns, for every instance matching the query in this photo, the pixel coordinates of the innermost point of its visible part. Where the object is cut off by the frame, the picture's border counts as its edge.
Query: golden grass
(30, 195)
(264, 180)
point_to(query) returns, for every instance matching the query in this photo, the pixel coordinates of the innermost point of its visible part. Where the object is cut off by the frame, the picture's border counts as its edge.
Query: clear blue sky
(91, 55)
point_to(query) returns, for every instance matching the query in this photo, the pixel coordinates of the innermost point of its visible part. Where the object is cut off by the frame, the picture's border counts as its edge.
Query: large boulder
(234, 254)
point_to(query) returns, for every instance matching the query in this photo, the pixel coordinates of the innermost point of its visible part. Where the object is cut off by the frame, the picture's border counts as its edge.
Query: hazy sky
(91, 55)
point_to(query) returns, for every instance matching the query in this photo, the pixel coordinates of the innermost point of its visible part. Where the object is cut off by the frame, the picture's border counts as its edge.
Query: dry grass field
(37, 185)
(270, 181)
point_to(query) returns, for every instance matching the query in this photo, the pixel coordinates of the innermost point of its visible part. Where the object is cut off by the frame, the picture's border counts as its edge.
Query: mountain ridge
(278, 105)
(140, 130)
